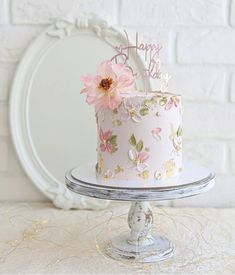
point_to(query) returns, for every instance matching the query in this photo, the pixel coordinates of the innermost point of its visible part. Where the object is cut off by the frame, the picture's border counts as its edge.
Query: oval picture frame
(34, 168)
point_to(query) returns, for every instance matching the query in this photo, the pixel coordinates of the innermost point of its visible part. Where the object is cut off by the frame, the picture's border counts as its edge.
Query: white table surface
(38, 238)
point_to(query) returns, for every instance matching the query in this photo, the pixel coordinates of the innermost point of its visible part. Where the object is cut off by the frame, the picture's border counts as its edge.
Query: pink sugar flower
(109, 86)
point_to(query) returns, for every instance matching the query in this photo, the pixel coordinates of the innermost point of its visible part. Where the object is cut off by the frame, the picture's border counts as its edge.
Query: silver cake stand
(140, 245)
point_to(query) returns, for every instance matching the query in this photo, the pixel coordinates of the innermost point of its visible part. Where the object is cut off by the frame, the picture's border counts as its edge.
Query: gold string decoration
(38, 238)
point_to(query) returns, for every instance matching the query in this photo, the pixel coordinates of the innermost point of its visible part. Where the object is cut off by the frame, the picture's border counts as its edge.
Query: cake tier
(142, 138)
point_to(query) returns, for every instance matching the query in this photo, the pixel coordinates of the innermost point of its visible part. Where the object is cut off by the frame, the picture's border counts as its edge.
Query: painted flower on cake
(174, 101)
(109, 86)
(156, 133)
(158, 175)
(139, 159)
(137, 156)
(108, 141)
(176, 137)
(167, 170)
(131, 111)
(108, 174)
(144, 175)
(169, 167)
(118, 169)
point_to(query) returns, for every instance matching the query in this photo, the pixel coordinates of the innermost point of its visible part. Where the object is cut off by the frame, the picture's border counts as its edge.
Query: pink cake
(142, 138)
(139, 134)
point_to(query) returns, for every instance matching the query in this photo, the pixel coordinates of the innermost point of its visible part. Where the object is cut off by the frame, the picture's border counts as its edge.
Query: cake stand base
(120, 249)
(139, 245)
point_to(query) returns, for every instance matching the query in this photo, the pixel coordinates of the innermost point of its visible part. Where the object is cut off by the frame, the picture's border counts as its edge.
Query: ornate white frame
(31, 163)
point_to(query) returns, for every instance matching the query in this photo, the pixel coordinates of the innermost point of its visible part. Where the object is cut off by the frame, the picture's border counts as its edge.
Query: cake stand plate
(140, 245)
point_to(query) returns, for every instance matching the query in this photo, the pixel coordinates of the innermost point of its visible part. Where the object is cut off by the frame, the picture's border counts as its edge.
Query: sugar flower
(108, 141)
(109, 86)
(108, 174)
(131, 111)
(139, 159)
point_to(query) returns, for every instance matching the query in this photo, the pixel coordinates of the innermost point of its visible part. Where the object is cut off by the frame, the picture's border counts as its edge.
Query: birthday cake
(139, 134)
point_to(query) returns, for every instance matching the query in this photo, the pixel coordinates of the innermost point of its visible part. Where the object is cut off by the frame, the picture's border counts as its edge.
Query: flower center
(132, 112)
(105, 84)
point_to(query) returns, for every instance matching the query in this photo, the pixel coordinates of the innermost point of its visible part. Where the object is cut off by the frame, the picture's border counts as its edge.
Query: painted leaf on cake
(144, 111)
(163, 101)
(179, 131)
(113, 140)
(139, 146)
(133, 140)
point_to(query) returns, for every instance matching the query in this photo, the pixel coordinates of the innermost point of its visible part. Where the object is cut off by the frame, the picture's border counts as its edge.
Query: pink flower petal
(114, 99)
(169, 104)
(143, 156)
(109, 147)
(102, 147)
(105, 70)
(156, 133)
(87, 79)
(107, 135)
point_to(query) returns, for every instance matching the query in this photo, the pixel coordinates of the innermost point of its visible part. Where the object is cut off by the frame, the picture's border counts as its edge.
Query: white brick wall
(198, 39)
(199, 83)
(3, 11)
(14, 40)
(232, 97)
(173, 13)
(219, 49)
(44, 11)
(209, 152)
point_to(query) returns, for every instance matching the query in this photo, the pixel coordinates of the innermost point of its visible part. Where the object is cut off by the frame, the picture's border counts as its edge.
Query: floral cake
(139, 135)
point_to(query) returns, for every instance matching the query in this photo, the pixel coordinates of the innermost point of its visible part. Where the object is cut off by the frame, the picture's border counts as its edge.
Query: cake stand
(140, 245)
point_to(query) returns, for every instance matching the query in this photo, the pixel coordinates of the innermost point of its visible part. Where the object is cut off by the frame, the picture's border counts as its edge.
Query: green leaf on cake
(114, 149)
(148, 102)
(113, 140)
(144, 111)
(139, 146)
(179, 132)
(163, 101)
(132, 140)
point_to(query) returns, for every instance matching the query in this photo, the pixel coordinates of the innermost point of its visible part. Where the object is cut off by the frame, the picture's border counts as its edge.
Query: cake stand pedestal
(139, 244)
